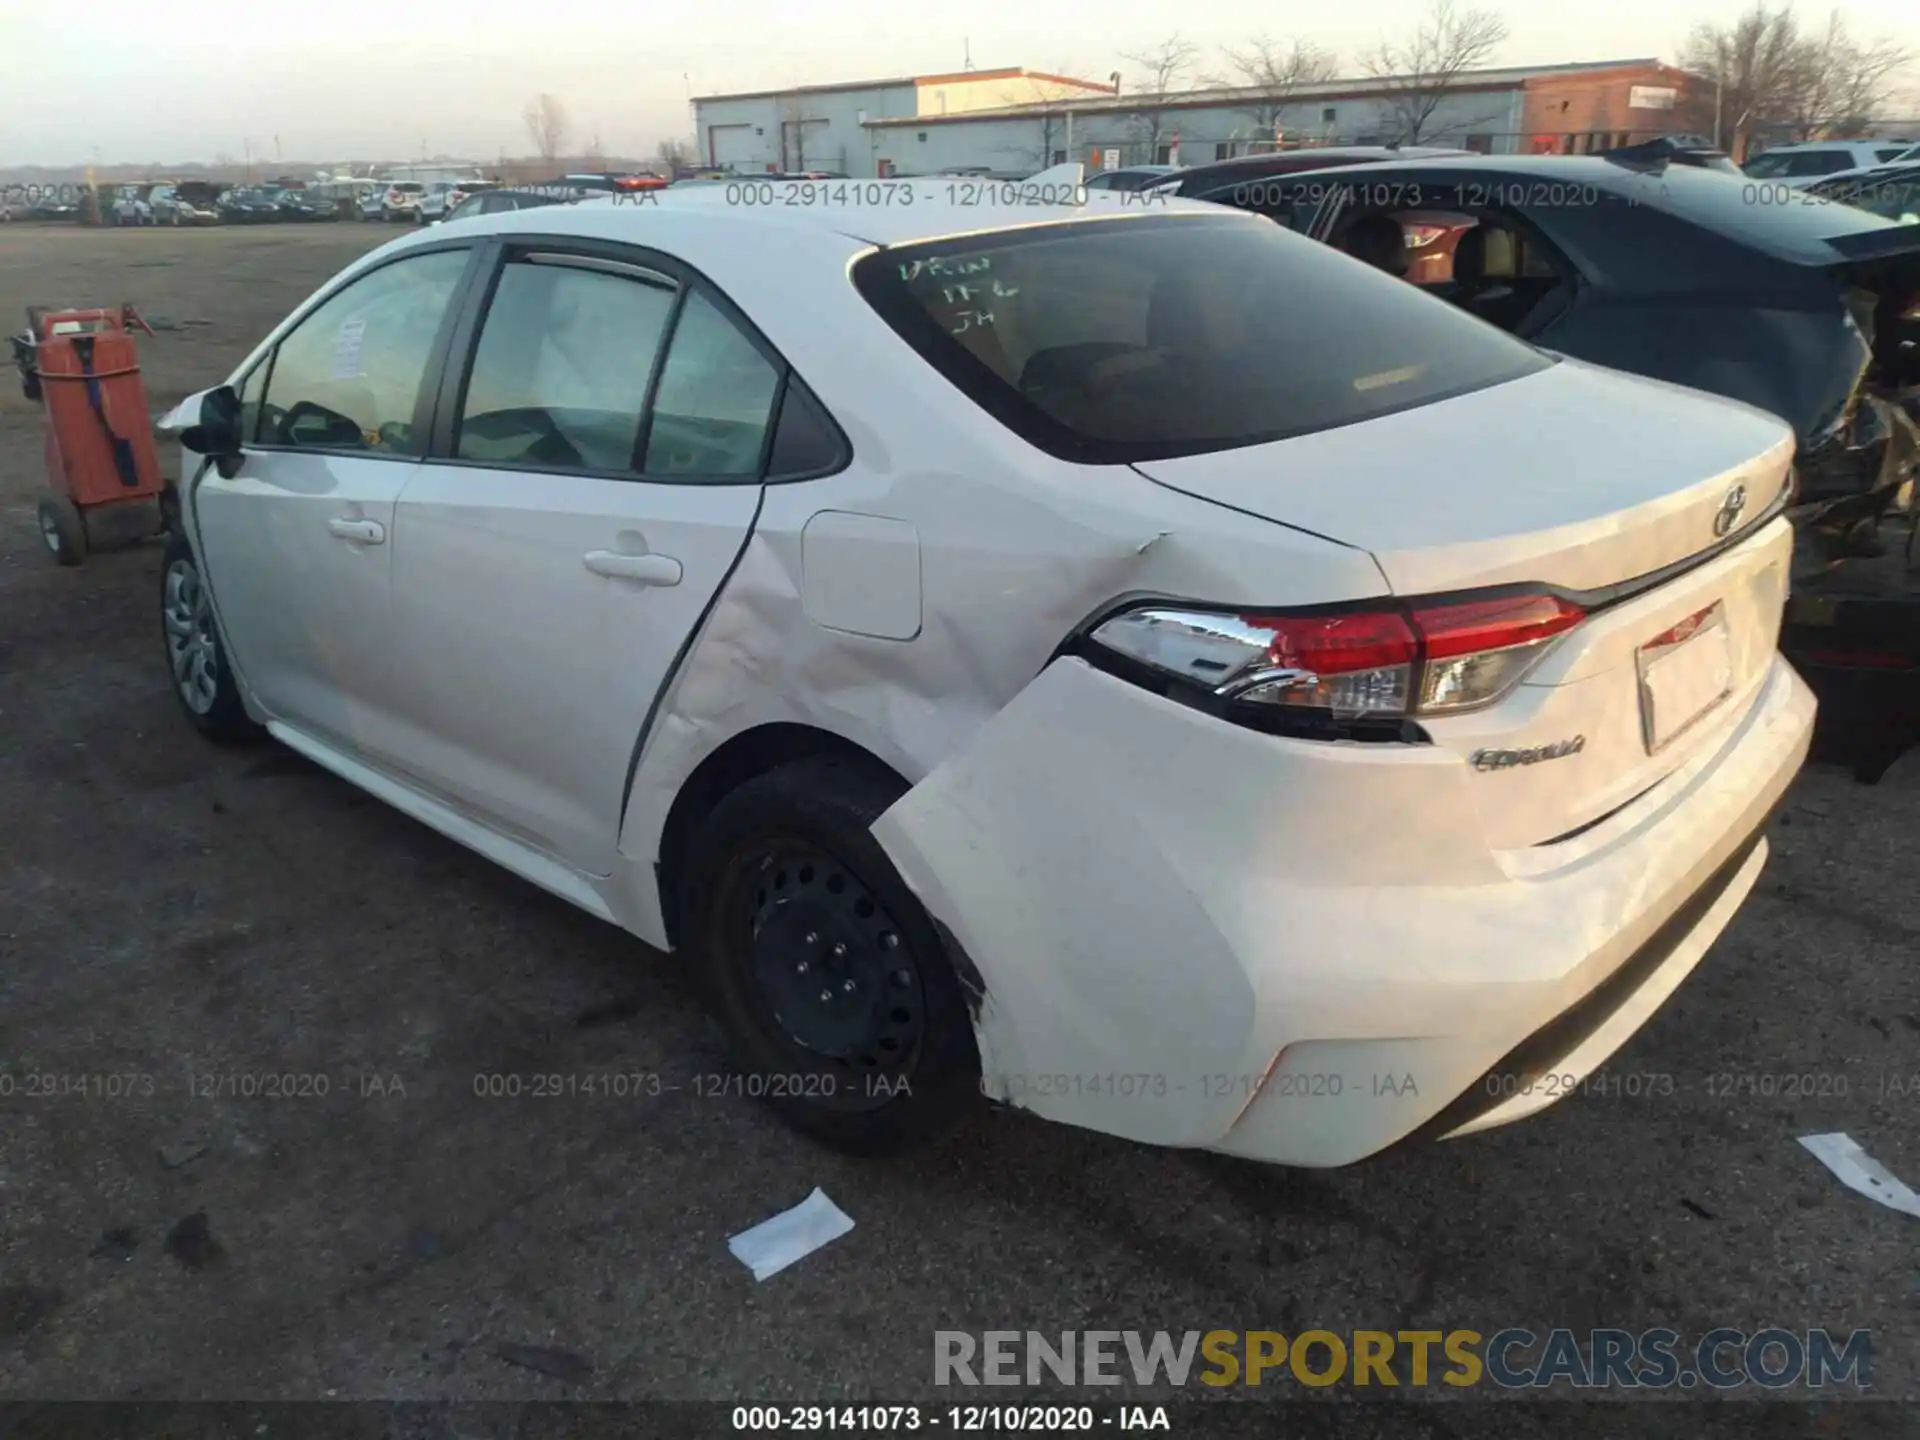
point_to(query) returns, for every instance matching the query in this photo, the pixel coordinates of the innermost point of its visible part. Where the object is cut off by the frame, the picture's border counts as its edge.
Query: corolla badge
(1728, 515)
(1507, 759)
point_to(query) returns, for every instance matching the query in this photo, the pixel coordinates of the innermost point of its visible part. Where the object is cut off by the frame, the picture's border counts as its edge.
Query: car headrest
(1503, 259)
(1378, 240)
(1470, 257)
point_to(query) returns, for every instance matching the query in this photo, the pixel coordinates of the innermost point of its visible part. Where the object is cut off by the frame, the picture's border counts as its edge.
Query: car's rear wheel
(827, 973)
(196, 660)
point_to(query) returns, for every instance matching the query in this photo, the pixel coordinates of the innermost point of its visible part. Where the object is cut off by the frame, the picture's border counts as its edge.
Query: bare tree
(546, 122)
(1050, 108)
(1418, 73)
(1272, 71)
(1164, 68)
(676, 155)
(1843, 84)
(1762, 72)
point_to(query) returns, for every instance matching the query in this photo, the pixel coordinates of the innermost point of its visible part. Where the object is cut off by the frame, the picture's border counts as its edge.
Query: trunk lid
(1574, 476)
(1579, 479)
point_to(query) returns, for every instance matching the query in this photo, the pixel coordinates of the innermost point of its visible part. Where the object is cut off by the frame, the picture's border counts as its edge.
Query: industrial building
(1019, 121)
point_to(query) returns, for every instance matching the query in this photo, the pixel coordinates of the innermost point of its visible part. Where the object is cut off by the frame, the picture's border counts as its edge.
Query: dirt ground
(171, 913)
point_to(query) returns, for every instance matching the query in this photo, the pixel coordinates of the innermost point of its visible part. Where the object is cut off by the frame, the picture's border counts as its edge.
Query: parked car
(1067, 719)
(1798, 165)
(130, 206)
(401, 200)
(1677, 269)
(435, 209)
(372, 201)
(301, 204)
(1131, 177)
(496, 202)
(247, 205)
(191, 202)
(1766, 294)
(433, 202)
(610, 183)
(53, 207)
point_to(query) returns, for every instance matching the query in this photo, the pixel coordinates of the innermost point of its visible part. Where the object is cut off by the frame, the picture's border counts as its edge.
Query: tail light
(1394, 660)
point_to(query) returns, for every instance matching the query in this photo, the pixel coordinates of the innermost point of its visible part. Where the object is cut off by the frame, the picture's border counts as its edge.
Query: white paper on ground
(772, 1245)
(1859, 1171)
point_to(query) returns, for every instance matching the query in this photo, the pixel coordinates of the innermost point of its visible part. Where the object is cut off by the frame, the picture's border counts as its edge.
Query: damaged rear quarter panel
(1153, 920)
(1015, 551)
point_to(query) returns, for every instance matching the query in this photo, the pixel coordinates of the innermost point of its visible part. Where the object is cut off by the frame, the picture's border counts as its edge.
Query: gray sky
(136, 80)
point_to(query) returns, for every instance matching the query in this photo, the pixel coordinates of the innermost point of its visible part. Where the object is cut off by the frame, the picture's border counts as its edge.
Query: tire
(882, 1058)
(62, 529)
(197, 666)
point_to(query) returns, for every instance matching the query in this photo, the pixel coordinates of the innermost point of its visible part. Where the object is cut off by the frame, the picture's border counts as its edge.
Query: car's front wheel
(197, 661)
(827, 973)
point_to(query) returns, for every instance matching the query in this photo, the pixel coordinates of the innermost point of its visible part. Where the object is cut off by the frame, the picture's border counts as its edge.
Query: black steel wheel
(831, 980)
(828, 963)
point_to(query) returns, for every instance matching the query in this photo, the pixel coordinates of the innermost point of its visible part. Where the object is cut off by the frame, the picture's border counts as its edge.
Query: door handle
(365, 532)
(645, 569)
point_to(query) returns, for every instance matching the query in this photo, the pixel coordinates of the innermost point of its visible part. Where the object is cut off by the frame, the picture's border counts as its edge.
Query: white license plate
(1684, 673)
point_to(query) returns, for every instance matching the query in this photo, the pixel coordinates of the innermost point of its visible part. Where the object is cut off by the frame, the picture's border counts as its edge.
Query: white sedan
(1119, 657)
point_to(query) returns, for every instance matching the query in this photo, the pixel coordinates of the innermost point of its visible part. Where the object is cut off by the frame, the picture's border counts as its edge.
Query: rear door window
(559, 379)
(1138, 338)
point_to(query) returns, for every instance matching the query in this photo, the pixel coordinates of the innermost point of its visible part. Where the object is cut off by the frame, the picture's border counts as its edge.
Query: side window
(1817, 162)
(347, 377)
(805, 441)
(560, 375)
(715, 399)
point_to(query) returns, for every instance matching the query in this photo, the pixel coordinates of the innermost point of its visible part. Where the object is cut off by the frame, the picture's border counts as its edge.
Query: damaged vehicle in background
(1803, 307)
(191, 202)
(994, 665)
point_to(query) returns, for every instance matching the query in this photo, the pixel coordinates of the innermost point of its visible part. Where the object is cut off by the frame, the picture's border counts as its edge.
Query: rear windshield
(1139, 338)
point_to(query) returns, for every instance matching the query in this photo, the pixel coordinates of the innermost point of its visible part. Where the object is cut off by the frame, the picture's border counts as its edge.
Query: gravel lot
(170, 911)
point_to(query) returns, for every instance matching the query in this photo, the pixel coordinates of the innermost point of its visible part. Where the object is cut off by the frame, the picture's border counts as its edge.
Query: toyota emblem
(1728, 515)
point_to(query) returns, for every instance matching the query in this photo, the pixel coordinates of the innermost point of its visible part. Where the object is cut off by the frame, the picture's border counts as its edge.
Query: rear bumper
(1190, 934)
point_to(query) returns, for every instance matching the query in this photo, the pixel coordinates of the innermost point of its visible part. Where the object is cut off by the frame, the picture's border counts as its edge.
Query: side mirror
(217, 436)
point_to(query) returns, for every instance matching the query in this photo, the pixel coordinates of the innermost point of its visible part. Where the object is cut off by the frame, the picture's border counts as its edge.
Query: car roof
(1308, 159)
(708, 228)
(878, 212)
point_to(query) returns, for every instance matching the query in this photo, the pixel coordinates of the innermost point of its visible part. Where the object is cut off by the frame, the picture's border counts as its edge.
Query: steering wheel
(342, 431)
